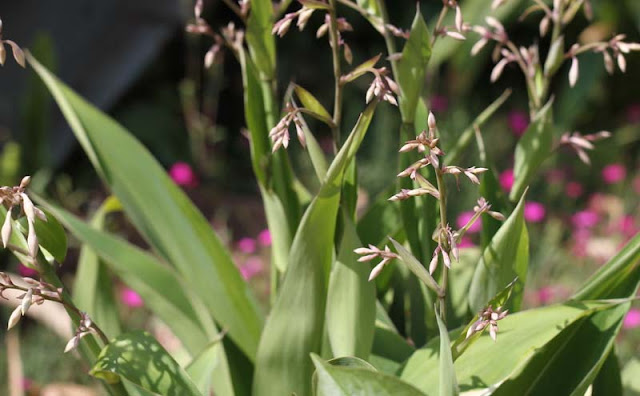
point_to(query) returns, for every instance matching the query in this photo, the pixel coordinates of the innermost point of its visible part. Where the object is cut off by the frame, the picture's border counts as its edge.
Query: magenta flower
(518, 122)
(464, 218)
(632, 319)
(534, 212)
(130, 298)
(585, 219)
(627, 226)
(574, 189)
(251, 267)
(544, 294)
(264, 238)
(439, 103)
(247, 245)
(506, 179)
(183, 175)
(466, 242)
(613, 173)
(23, 270)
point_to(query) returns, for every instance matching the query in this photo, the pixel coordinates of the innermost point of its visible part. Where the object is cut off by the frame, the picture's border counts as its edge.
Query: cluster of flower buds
(426, 143)
(457, 31)
(35, 292)
(282, 26)
(372, 253)
(12, 197)
(383, 87)
(481, 207)
(470, 173)
(85, 328)
(279, 134)
(447, 247)
(498, 34)
(18, 55)
(488, 317)
(580, 143)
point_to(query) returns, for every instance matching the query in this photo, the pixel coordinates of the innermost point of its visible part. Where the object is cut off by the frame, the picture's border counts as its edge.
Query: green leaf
(506, 258)
(318, 160)
(412, 66)
(389, 348)
(415, 266)
(51, 237)
(532, 149)
(360, 70)
(203, 365)
(353, 381)
(311, 103)
(448, 383)
(609, 380)
(373, 13)
(139, 358)
(163, 214)
(491, 190)
(92, 289)
(283, 365)
(351, 300)
(520, 337)
(259, 38)
(380, 220)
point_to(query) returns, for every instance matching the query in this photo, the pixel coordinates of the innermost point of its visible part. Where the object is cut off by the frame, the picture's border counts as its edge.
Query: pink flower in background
(556, 175)
(633, 113)
(466, 242)
(518, 122)
(183, 175)
(581, 238)
(632, 319)
(464, 218)
(439, 103)
(574, 189)
(627, 226)
(506, 179)
(585, 219)
(264, 238)
(534, 212)
(613, 173)
(544, 294)
(26, 383)
(247, 245)
(251, 267)
(23, 270)
(130, 298)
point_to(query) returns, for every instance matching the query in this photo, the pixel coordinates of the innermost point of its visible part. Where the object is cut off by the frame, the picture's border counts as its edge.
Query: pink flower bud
(183, 175)
(247, 245)
(130, 298)
(585, 219)
(506, 179)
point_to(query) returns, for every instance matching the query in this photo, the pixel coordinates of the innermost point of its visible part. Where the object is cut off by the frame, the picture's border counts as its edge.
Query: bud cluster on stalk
(84, 328)
(18, 203)
(35, 292)
(18, 55)
(488, 317)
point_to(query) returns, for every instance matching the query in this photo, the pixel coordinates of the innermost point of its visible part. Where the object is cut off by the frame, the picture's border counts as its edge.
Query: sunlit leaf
(310, 102)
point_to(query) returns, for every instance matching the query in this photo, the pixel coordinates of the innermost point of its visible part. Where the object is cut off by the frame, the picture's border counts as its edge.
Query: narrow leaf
(448, 382)
(311, 103)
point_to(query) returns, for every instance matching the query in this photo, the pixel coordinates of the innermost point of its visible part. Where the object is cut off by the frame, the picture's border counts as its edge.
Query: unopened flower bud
(72, 344)
(6, 229)
(14, 318)
(431, 121)
(26, 301)
(573, 72)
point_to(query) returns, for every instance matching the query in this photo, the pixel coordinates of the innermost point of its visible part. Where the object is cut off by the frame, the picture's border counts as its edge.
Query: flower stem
(443, 223)
(335, 49)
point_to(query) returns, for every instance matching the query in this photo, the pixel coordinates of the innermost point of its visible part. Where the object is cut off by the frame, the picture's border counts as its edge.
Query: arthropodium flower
(18, 55)
(383, 87)
(488, 317)
(372, 253)
(11, 197)
(84, 328)
(580, 143)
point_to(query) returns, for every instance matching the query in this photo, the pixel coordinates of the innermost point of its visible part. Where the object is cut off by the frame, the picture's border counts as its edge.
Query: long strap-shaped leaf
(283, 365)
(163, 214)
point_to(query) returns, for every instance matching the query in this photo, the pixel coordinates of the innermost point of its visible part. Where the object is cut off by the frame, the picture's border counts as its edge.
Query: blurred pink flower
(518, 122)
(633, 113)
(464, 218)
(636, 185)
(466, 242)
(574, 189)
(183, 175)
(632, 319)
(23, 270)
(556, 175)
(627, 226)
(264, 238)
(614, 173)
(544, 294)
(439, 103)
(130, 298)
(246, 245)
(251, 267)
(534, 212)
(26, 383)
(585, 219)
(506, 179)
(581, 238)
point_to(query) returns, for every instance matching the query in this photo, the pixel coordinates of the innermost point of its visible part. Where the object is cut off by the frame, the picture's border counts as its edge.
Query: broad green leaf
(351, 299)
(340, 380)
(351, 361)
(163, 214)
(381, 219)
(311, 103)
(519, 338)
(203, 365)
(412, 67)
(283, 364)
(454, 154)
(92, 289)
(389, 348)
(139, 358)
(259, 38)
(532, 149)
(609, 380)
(51, 237)
(448, 383)
(506, 258)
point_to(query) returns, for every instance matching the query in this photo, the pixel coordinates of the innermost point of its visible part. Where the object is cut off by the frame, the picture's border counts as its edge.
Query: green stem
(335, 49)
(443, 223)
